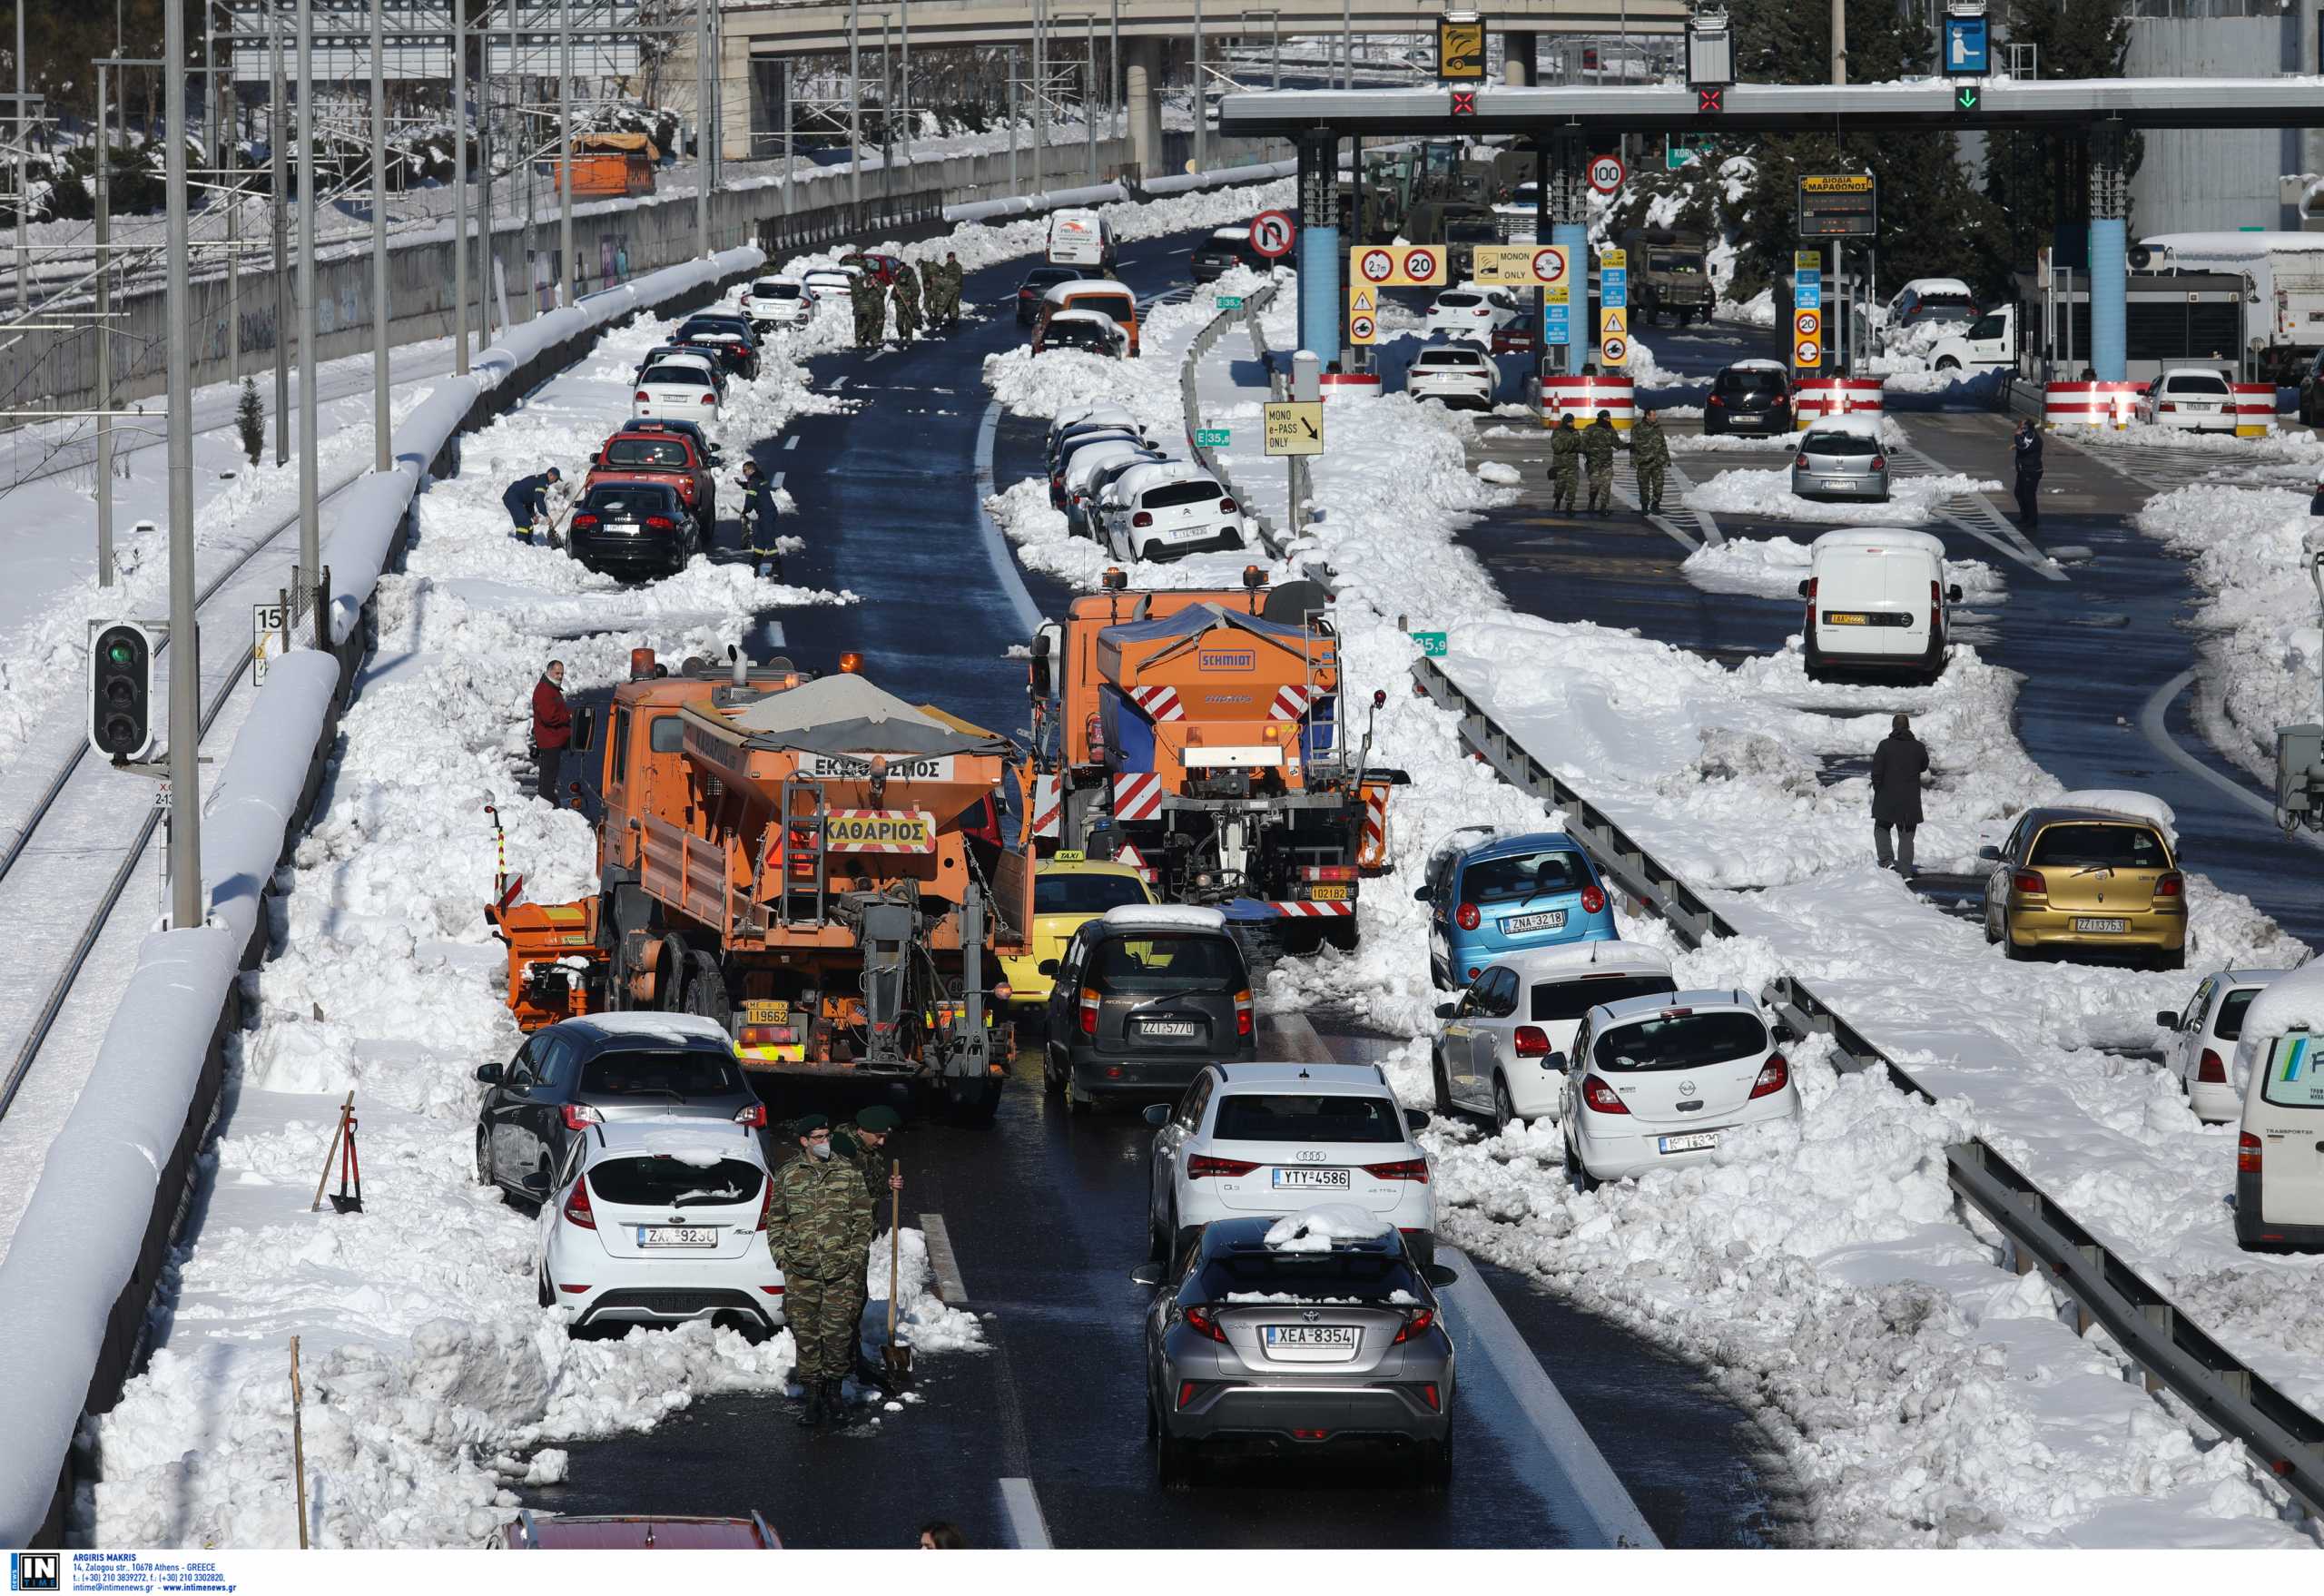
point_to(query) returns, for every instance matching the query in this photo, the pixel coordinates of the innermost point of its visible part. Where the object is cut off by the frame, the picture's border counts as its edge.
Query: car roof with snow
(1754, 363)
(1163, 917)
(1332, 1080)
(1925, 286)
(1086, 318)
(1060, 292)
(1712, 999)
(1575, 960)
(2295, 1002)
(1511, 842)
(676, 1030)
(1230, 235)
(1249, 1235)
(1878, 541)
(2238, 975)
(1158, 473)
(2042, 815)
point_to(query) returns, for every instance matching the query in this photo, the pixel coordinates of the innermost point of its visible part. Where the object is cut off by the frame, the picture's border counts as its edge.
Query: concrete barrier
(2090, 404)
(2255, 408)
(1583, 397)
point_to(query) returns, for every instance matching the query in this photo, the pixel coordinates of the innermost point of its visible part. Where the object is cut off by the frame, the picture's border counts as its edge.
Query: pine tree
(250, 420)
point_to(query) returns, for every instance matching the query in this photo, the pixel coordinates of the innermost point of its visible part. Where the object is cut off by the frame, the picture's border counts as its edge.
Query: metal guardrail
(2171, 1351)
(915, 214)
(1216, 329)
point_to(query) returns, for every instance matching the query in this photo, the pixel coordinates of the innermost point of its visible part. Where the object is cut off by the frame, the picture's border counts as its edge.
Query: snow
(1314, 1230)
(2292, 1002)
(2120, 801)
(1912, 501)
(660, 1028)
(1162, 916)
(1772, 567)
(689, 1141)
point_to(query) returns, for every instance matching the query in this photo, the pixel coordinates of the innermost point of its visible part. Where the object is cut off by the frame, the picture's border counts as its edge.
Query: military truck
(1670, 275)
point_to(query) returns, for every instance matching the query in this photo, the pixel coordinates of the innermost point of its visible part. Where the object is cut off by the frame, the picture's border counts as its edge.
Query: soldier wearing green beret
(819, 1226)
(865, 1145)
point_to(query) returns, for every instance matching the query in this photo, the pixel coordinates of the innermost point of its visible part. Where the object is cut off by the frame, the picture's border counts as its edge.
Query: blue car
(1497, 895)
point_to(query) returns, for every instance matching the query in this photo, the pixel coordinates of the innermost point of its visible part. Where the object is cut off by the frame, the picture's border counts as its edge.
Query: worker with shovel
(864, 1144)
(819, 1226)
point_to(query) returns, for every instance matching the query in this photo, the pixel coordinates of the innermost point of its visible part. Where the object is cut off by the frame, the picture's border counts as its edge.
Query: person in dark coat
(2026, 451)
(552, 727)
(527, 500)
(1897, 765)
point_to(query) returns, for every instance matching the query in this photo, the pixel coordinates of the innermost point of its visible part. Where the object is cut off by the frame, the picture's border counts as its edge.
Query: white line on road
(775, 481)
(995, 547)
(2152, 721)
(1026, 1523)
(940, 1259)
(792, 441)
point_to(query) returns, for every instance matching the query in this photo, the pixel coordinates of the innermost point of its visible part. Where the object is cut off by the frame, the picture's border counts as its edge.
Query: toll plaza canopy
(1999, 103)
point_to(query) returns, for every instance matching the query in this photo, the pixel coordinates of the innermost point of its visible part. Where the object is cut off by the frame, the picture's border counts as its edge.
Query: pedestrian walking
(1599, 442)
(818, 1228)
(552, 729)
(759, 539)
(527, 500)
(1897, 765)
(871, 303)
(1650, 453)
(1565, 463)
(906, 290)
(953, 276)
(2026, 451)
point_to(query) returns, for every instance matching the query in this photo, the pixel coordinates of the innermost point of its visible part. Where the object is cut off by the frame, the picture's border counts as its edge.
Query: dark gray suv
(606, 1067)
(1146, 995)
(1283, 1349)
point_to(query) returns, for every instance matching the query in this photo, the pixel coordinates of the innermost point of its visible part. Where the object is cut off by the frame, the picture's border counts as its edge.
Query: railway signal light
(121, 689)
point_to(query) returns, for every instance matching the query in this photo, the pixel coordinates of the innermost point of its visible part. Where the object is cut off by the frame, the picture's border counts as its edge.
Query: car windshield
(1522, 875)
(664, 1182)
(2229, 1025)
(1171, 494)
(1455, 301)
(1302, 1116)
(1741, 379)
(1572, 998)
(1260, 1272)
(1169, 961)
(660, 1072)
(640, 451)
(1676, 1040)
(1120, 307)
(617, 503)
(2293, 1079)
(676, 375)
(1838, 443)
(1680, 265)
(1093, 894)
(2201, 383)
(2094, 846)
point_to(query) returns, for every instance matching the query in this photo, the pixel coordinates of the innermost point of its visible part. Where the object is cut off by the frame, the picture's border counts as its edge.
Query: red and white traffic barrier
(1818, 397)
(1337, 385)
(1583, 397)
(2090, 404)
(2255, 408)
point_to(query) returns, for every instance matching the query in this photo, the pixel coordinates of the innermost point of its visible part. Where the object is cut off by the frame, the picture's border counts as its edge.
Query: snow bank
(2292, 1002)
(1912, 501)
(1773, 568)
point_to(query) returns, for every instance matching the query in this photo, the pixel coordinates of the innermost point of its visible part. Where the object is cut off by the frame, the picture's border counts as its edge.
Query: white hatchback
(1492, 1056)
(777, 302)
(1654, 1082)
(658, 1221)
(1471, 313)
(1453, 373)
(1278, 1139)
(672, 390)
(2199, 1040)
(1175, 507)
(2191, 397)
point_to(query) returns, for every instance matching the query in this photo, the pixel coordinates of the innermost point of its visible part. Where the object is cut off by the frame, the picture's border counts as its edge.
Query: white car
(1092, 331)
(777, 302)
(2279, 1139)
(1493, 1054)
(660, 1220)
(677, 389)
(1471, 313)
(1655, 1082)
(1877, 600)
(2191, 396)
(1278, 1139)
(1170, 508)
(828, 284)
(1077, 481)
(2200, 1038)
(1457, 374)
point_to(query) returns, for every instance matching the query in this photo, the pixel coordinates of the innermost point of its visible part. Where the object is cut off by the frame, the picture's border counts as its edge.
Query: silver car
(1834, 463)
(1278, 1349)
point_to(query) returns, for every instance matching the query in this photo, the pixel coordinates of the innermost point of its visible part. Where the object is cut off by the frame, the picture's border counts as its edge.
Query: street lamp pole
(280, 157)
(105, 345)
(185, 674)
(569, 289)
(310, 509)
(459, 188)
(382, 445)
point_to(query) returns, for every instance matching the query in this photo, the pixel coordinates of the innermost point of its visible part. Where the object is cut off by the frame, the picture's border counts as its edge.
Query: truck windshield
(1085, 894)
(1687, 265)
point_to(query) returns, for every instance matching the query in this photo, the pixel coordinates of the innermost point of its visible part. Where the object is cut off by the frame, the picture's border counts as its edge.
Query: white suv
(677, 389)
(662, 1220)
(1656, 1081)
(1456, 373)
(1173, 508)
(1278, 1139)
(1472, 314)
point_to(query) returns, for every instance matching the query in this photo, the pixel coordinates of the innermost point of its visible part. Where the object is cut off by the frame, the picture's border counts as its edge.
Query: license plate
(676, 1235)
(1182, 1029)
(1332, 1337)
(766, 1011)
(1693, 1142)
(1331, 893)
(1839, 481)
(1842, 618)
(2201, 410)
(2081, 924)
(1551, 919)
(1748, 416)
(621, 526)
(1311, 1180)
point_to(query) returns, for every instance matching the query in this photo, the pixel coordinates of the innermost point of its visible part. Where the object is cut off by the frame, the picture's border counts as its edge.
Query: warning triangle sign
(1362, 298)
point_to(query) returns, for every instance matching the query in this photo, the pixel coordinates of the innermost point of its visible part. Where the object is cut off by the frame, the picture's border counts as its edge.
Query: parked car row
(650, 501)
(1119, 487)
(1080, 311)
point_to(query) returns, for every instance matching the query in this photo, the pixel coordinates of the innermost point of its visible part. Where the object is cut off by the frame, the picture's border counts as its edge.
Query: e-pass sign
(1272, 232)
(1606, 173)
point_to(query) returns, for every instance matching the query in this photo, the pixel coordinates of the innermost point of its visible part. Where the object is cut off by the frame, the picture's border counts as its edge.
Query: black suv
(1145, 996)
(1226, 248)
(1752, 396)
(627, 527)
(1038, 281)
(571, 1074)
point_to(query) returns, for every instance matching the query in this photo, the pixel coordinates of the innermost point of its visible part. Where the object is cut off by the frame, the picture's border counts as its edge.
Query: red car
(644, 451)
(882, 267)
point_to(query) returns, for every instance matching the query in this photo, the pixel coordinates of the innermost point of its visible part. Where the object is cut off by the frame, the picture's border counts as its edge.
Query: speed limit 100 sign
(1606, 173)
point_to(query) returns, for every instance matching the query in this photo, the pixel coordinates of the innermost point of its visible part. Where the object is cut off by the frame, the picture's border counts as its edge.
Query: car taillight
(1597, 1095)
(1203, 1166)
(1478, 311)
(1417, 1325)
(1878, 464)
(1717, 403)
(2170, 884)
(577, 1206)
(660, 524)
(1811, 590)
(1594, 902)
(2165, 404)
(1186, 1389)
(1530, 1042)
(1327, 873)
(766, 1206)
(1466, 917)
(1243, 1012)
(1088, 1012)
(1401, 1170)
(754, 1116)
(581, 521)
(1774, 1076)
(709, 399)
(2247, 1154)
(1428, 1395)
(642, 397)
(2030, 882)
(1226, 507)
(2210, 1070)
(580, 1116)
(1141, 519)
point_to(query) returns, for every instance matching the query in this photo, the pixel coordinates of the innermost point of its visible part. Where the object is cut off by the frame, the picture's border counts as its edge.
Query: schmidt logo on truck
(1228, 659)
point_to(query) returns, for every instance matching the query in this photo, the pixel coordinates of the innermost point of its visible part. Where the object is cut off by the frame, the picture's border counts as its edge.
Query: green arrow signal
(1967, 97)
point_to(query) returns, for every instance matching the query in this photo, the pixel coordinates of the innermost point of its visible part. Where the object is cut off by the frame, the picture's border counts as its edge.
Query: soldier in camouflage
(948, 309)
(871, 303)
(819, 1226)
(907, 293)
(1565, 463)
(864, 1144)
(1599, 442)
(1650, 453)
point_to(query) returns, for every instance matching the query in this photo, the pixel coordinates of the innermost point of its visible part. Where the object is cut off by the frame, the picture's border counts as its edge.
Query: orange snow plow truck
(1197, 734)
(813, 862)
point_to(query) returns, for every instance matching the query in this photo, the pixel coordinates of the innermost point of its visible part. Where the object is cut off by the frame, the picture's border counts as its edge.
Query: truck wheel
(670, 977)
(706, 989)
(1947, 363)
(975, 1104)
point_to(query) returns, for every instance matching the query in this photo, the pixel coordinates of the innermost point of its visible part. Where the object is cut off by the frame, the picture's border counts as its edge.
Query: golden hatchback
(2076, 880)
(1067, 890)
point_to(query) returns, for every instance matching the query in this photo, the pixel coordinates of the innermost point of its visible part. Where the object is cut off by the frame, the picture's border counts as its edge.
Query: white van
(2279, 1147)
(1985, 344)
(1081, 238)
(1877, 599)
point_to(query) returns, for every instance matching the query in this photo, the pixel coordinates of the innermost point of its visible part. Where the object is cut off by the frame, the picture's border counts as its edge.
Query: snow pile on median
(1773, 568)
(1912, 501)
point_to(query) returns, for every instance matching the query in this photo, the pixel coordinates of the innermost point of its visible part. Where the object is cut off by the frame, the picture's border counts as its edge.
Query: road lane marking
(940, 1259)
(1300, 1043)
(996, 546)
(1030, 1530)
(792, 441)
(776, 480)
(2153, 722)
(1478, 1319)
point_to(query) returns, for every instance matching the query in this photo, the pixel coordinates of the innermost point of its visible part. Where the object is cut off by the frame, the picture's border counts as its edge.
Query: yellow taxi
(2084, 880)
(1069, 889)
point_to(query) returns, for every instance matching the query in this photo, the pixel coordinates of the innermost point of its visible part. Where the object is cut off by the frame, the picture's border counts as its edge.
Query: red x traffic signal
(1707, 101)
(1464, 102)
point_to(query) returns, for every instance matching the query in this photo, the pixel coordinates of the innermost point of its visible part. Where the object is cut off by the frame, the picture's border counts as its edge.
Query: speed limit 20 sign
(1272, 232)
(1396, 265)
(1606, 173)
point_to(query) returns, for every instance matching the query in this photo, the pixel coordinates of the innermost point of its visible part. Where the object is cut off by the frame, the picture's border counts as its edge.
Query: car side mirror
(1047, 967)
(536, 1184)
(1446, 1011)
(1419, 896)
(1158, 1114)
(1555, 1061)
(1803, 588)
(1147, 1274)
(1953, 594)
(1989, 853)
(584, 729)
(490, 1074)
(1415, 1119)
(1782, 1032)
(1438, 1274)
(2167, 1020)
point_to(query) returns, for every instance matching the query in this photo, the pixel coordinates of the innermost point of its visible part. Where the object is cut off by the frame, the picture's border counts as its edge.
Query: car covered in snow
(776, 302)
(658, 1221)
(828, 284)
(2090, 874)
(1226, 248)
(1490, 895)
(680, 388)
(1081, 330)
(1266, 1139)
(1749, 397)
(2199, 1040)
(1657, 1082)
(1144, 996)
(1089, 473)
(1076, 424)
(1470, 314)
(1877, 600)
(1836, 462)
(1170, 508)
(1080, 444)
(727, 338)
(2279, 1136)
(2195, 399)
(1038, 282)
(1114, 300)
(1932, 302)
(1311, 1333)
(1492, 1054)
(1456, 375)
(659, 451)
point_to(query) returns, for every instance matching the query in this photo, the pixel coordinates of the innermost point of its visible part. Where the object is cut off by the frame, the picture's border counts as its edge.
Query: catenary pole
(854, 106)
(105, 342)
(703, 134)
(25, 173)
(382, 445)
(185, 674)
(459, 188)
(279, 155)
(309, 510)
(568, 287)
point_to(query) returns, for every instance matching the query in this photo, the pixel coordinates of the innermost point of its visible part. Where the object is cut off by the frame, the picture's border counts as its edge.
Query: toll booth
(2168, 320)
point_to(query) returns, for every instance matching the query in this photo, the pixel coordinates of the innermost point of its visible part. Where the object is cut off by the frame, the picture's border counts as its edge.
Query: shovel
(895, 1359)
